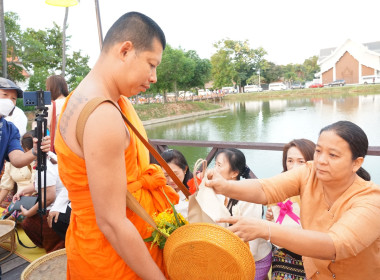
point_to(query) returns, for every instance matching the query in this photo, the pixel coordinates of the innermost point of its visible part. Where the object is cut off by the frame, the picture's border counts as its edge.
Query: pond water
(275, 121)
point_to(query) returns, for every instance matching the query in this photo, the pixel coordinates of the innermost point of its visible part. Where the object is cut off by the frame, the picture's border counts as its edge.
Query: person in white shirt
(19, 119)
(231, 164)
(59, 215)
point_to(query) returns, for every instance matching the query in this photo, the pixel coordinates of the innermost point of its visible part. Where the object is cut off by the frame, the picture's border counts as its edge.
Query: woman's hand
(269, 214)
(17, 196)
(53, 215)
(246, 228)
(25, 212)
(216, 181)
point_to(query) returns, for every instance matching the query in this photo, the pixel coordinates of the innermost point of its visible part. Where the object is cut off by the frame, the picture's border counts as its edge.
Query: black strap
(20, 242)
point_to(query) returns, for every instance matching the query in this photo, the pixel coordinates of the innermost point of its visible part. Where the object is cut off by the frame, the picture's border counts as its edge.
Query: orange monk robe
(89, 254)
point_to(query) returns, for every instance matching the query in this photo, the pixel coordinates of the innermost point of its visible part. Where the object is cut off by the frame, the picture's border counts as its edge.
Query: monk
(105, 239)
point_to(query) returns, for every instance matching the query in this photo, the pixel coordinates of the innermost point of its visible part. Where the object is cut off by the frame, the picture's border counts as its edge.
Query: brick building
(349, 62)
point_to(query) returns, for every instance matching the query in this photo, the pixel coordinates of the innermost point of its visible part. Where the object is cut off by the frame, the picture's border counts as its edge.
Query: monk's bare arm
(105, 139)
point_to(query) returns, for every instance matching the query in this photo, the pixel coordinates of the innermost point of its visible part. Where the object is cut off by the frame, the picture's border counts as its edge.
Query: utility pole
(64, 42)
(3, 41)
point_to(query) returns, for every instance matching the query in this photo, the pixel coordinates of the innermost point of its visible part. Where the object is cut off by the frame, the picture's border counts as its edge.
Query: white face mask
(6, 106)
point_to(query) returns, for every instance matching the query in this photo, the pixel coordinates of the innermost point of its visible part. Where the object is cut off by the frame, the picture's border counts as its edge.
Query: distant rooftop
(372, 46)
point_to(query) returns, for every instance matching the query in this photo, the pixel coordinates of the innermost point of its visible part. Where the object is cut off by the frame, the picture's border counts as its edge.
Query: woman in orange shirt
(340, 207)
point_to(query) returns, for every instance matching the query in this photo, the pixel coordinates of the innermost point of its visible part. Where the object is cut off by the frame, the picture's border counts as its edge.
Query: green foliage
(40, 52)
(272, 72)
(235, 62)
(77, 68)
(180, 70)
(13, 33)
(38, 80)
(311, 67)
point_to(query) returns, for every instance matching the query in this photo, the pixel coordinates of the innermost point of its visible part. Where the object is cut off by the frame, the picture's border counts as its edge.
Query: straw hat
(207, 251)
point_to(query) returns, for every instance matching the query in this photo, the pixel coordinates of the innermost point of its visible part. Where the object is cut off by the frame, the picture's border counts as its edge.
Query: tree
(311, 67)
(272, 72)
(202, 71)
(175, 71)
(76, 68)
(12, 47)
(40, 52)
(235, 62)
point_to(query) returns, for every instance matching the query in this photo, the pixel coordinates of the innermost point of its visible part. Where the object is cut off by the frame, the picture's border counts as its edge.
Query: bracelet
(269, 233)
(34, 152)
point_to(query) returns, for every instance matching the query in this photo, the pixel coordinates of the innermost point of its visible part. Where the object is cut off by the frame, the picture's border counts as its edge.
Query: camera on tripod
(38, 98)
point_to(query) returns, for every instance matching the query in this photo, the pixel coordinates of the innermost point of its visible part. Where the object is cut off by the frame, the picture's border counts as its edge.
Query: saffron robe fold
(89, 254)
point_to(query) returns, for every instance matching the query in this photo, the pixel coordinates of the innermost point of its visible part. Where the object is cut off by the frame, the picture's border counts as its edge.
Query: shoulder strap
(132, 203)
(92, 105)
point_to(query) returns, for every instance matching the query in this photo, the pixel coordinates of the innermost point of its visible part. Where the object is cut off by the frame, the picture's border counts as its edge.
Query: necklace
(327, 200)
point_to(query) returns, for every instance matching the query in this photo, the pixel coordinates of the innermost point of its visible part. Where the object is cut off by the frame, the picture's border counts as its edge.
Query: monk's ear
(125, 49)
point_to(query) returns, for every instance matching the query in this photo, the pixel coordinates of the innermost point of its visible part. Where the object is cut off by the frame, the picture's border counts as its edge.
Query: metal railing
(162, 144)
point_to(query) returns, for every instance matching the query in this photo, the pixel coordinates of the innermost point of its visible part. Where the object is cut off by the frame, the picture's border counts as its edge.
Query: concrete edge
(184, 116)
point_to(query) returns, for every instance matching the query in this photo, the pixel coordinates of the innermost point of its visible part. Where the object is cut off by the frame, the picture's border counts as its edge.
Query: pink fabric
(286, 209)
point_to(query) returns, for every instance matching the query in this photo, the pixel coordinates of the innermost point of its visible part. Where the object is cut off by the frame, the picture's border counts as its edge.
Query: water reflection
(277, 121)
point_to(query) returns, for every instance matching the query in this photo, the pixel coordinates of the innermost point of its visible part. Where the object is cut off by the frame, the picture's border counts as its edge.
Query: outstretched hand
(216, 181)
(246, 228)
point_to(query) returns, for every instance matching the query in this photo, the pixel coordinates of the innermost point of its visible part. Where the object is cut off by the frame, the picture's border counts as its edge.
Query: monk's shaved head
(137, 28)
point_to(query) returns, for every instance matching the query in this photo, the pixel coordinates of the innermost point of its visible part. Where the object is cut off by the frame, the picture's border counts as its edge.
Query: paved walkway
(11, 267)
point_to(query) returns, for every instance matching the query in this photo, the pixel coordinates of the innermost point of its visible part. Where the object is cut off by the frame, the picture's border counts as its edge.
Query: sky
(289, 30)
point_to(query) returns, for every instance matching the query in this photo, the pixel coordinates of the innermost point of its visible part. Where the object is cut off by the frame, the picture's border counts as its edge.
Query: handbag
(204, 205)
(26, 201)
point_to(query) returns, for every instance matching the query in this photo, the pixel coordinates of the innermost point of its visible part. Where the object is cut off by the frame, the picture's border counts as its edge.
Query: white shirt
(19, 119)
(260, 248)
(52, 177)
(183, 205)
(61, 201)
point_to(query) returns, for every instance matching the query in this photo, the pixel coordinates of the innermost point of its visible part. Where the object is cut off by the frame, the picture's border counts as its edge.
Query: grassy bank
(157, 111)
(309, 92)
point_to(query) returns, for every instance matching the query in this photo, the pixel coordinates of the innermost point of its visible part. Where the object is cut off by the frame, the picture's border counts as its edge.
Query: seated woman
(295, 153)
(340, 207)
(15, 179)
(231, 165)
(59, 215)
(49, 240)
(177, 162)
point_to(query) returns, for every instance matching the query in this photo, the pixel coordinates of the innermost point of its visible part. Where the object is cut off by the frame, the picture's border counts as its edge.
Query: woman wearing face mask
(296, 153)
(177, 162)
(231, 165)
(340, 207)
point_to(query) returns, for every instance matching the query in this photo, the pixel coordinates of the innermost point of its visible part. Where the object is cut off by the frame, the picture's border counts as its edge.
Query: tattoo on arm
(74, 102)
